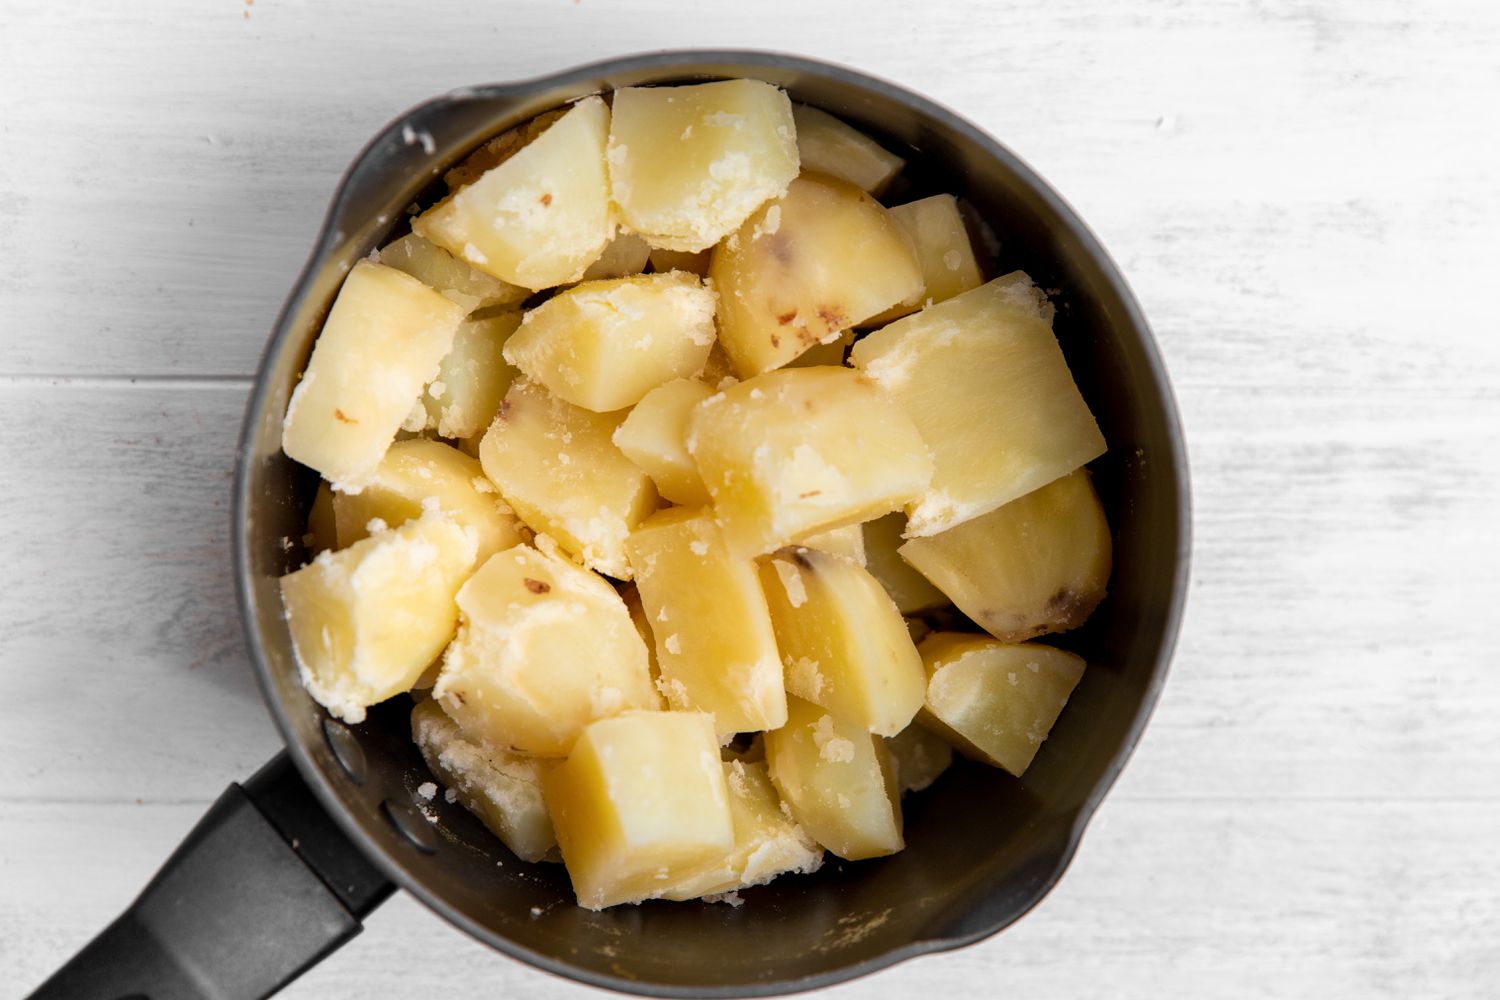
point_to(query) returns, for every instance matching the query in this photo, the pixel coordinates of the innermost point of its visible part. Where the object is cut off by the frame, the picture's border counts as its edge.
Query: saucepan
(284, 866)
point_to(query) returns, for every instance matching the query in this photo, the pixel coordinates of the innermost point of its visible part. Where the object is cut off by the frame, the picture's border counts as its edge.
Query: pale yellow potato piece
(715, 647)
(767, 842)
(984, 380)
(792, 453)
(626, 254)
(829, 146)
(322, 531)
(542, 216)
(367, 620)
(920, 756)
(943, 249)
(838, 781)
(911, 591)
(445, 273)
(993, 701)
(558, 469)
(654, 437)
(381, 343)
(639, 803)
(471, 380)
(808, 266)
(1036, 565)
(688, 164)
(848, 541)
(419, 474)
(503, 789)
(680, 260)
(843, 643)
(543, 648)
(603, 345)
(830, 354)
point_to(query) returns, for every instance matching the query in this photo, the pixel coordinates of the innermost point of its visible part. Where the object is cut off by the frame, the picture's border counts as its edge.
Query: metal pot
(282, 868)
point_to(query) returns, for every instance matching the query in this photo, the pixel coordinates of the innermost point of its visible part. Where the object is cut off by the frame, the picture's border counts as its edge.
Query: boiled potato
(837, 780)
(322, 531)
(848, 541)
(499, 149)
(418, 475)
(680, 260)
(941, 240)
(911, 591)
(542, 216)
(640, 803)
(843, 643)
(602, 345)
(367, 620)
(715, 647)
(654, 437)
(984, 380)
(380, 345)
(920, 756)
(688, 164)
(994, 701)
(826, 145)
(471, 380)
(767, 842)
(543, 648)
(456, 280)
(795, 452)
(558, 469)
(808, 266)
(503, 789)
(1038, 564)
(626, 254)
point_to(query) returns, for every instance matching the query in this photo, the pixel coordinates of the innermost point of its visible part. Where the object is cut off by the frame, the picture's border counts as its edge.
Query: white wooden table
(1304, 195)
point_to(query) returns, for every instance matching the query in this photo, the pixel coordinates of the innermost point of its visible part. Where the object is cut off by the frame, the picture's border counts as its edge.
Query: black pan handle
(263, 888)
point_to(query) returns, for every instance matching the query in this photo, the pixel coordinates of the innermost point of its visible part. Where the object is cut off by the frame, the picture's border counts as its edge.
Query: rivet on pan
(411, 825)
(346, 749)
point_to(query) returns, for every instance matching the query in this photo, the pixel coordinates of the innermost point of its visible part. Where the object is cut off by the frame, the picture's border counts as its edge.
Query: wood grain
(1303, 196)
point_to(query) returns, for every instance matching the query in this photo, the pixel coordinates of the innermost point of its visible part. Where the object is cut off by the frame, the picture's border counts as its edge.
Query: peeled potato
(984, 380)
(367, 620)
(920, 756)
(830, 354)
(602, 345)
(941, 240)
(654, 437)
(808, 266)
(445, 273)
(792, 453)
(558, 469)
(848, 541)
(994, 701)
(542, 216)
(1038, 564)
(471, 380)
(688, 164)
(543, 648)
(417, 475)
(911, 591)
(380, 345)
(640, 803)
(503, 789)
(829, 146)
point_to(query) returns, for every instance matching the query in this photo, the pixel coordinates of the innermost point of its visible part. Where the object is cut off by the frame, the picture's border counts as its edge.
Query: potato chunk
(830, 354)
(767, 843)
(848, 541)
(994, 701)
(503, 789)
(543, 648)
(640, 801)
(714, 644)
(826, 145)
(1038, 564)
(540, 217)
(919, 756)
(984, 380)
(471, 380)
(808, 266)
(558, 469)
(654, 437)
(445, 273)
(911, 591)
(381, 343)
(843, 643)
(602, 345)
(418, 474)
(688, 164)
(838, 781)
(796, 452)
(367, 620)
(941, 240)
(626, 254)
